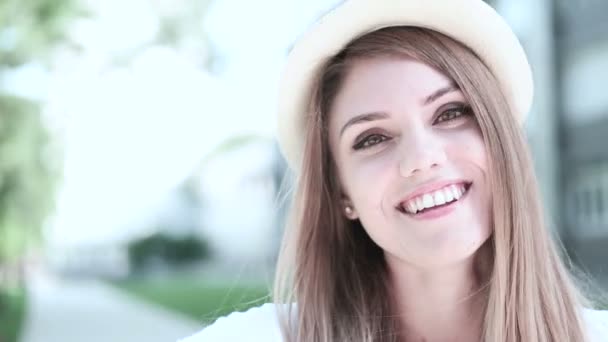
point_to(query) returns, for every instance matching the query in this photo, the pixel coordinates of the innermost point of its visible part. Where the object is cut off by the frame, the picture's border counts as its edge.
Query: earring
(348, 210)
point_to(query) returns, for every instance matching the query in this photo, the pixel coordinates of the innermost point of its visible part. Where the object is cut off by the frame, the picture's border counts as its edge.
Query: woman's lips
(438, 211)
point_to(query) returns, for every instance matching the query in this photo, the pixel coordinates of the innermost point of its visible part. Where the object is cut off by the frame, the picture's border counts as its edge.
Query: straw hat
(471, 22)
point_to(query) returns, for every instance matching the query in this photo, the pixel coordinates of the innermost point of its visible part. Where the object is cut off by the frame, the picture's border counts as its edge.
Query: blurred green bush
(12, 312)
(168, 250)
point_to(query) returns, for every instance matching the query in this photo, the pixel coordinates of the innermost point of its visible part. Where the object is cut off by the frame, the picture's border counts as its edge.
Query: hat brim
(471, 22)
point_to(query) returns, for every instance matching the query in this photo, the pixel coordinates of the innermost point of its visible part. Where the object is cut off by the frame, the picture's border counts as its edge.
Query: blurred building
(581, 33)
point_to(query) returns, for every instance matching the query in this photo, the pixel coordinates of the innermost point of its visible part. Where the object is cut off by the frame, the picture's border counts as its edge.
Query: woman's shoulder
(256, 324)
(597, 324)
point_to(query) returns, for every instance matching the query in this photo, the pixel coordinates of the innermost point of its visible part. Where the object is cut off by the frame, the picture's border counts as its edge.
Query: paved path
(90, 311)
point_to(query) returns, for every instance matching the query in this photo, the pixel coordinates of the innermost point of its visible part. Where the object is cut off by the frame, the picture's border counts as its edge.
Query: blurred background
(139, 174)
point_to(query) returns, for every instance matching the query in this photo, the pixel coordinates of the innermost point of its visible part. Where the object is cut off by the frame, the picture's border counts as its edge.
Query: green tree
(29, 30)
(26, 175)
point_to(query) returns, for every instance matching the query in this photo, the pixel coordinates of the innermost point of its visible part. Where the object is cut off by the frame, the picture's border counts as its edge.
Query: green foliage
(26, 174)
(167, 249)
(29, 28)
(197, 298)
(12, 311)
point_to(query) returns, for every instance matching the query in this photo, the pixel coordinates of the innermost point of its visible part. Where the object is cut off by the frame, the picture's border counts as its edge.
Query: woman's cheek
(372, 175)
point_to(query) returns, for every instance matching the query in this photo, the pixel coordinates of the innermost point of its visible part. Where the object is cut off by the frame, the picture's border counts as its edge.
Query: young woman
(416, 215)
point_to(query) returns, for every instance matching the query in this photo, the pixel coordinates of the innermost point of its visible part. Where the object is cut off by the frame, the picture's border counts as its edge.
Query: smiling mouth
(436, 200)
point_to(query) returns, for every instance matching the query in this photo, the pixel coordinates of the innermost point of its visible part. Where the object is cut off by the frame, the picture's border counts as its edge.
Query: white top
(260, 324)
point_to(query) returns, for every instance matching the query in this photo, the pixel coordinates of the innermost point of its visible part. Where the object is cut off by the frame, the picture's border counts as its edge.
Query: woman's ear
(349, 209)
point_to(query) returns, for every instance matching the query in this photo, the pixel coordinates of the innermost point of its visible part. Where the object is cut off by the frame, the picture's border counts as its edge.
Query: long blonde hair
(338, 277)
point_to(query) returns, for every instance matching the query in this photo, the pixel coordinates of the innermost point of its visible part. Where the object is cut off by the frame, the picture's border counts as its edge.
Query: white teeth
(455, 191)
(427, 199)
(449, 196)
(419, 204)
(439, 197)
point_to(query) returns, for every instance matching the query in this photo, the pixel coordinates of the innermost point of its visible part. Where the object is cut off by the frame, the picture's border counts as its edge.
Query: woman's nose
(420, 152)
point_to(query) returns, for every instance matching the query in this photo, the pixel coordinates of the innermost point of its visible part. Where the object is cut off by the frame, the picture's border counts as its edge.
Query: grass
(196, 298)
(12, 311)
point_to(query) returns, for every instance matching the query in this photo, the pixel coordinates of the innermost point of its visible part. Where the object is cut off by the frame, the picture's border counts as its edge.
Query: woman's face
(411, 161)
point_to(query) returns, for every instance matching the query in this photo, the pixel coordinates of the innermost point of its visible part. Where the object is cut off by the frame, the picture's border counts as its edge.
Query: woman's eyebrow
(363, 118)
(382, 115)
(439, 93)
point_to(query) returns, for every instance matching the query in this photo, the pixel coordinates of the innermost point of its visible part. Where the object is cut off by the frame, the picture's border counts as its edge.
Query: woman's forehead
(390, 73)
(383, 82)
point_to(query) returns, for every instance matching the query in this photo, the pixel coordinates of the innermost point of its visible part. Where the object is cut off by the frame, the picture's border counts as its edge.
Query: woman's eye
(454, 113)
(369, 141)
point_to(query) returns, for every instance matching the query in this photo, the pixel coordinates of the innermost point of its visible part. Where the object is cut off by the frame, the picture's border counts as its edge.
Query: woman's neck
(440, 304)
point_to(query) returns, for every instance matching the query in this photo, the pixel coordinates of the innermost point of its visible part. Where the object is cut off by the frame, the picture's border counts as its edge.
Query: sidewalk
(90, 311)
